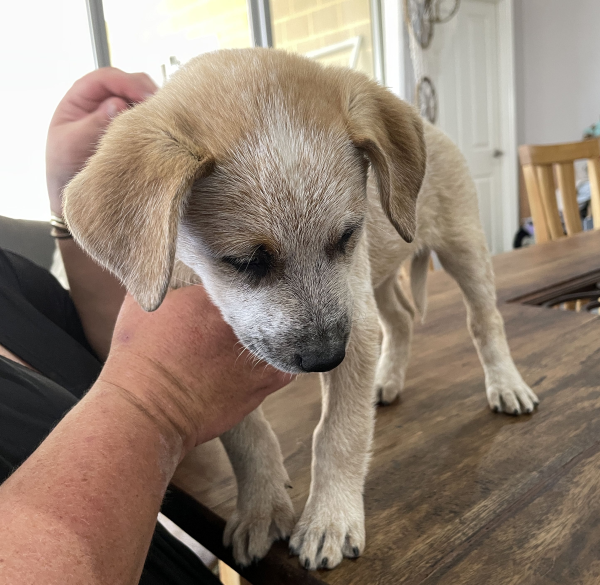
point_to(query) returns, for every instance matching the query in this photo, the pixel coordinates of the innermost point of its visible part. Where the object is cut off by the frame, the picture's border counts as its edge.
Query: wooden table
(455, 493)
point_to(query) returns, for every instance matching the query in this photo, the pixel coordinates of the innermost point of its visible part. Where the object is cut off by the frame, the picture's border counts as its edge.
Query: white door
(469, 108)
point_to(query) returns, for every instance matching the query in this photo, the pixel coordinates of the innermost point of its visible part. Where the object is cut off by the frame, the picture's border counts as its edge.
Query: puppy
(294, 193)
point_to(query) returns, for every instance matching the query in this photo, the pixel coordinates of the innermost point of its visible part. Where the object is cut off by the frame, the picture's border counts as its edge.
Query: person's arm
(78, 122)
(83, 507)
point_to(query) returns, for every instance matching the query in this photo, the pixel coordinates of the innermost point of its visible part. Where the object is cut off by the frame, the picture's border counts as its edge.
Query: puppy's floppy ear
(124, 207)
(390, 132)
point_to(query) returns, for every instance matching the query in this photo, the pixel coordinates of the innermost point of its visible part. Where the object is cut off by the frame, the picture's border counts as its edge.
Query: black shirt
(40, 325)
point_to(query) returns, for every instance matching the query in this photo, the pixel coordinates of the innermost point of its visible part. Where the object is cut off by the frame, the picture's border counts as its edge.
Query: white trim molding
(394, 47)
(354, 44)
(508, 121)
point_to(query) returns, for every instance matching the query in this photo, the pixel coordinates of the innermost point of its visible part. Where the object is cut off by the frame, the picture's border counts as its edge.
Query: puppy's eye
(343, 241)
(256, 267)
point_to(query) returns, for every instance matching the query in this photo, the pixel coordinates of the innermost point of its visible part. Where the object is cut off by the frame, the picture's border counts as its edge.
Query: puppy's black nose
(319, 360)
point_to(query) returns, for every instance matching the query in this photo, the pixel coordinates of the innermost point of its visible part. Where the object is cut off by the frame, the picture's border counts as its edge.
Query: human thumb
(109, 108)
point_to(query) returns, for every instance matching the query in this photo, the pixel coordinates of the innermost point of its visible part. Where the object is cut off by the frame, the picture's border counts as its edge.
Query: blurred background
(492, 73)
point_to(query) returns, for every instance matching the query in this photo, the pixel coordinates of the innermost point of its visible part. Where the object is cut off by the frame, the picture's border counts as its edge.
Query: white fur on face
(294, 191)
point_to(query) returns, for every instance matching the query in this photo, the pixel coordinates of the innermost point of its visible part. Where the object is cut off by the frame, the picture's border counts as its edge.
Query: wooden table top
(456, 493)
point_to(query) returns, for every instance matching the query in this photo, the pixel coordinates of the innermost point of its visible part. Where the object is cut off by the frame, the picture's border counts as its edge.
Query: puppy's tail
(419, 267)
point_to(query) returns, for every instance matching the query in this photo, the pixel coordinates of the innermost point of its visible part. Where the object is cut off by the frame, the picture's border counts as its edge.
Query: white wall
(557, 54)
(45, 47)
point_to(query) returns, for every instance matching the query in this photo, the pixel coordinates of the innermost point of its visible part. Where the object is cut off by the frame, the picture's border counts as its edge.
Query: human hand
(80, 119)
(184, 366)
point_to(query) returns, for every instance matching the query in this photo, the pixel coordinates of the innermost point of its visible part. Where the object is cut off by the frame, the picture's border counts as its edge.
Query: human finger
(93, 89)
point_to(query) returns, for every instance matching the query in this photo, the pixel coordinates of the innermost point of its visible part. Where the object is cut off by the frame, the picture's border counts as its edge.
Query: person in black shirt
(88, 443)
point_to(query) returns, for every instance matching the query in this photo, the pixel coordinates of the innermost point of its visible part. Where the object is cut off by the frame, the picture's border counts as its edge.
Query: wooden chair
(539, 165)
(228, 576)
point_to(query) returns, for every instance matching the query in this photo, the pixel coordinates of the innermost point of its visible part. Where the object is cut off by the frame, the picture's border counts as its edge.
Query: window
(50, 47)
(336, 32)
(157, 36)
(46, 47)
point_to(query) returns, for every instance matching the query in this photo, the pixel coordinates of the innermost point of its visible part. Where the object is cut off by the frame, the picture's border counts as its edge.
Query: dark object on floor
(524, 236)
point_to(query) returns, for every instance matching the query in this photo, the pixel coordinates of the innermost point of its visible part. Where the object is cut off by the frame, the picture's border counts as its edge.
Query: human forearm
(89, 495)
(81, 509)
(96, 293)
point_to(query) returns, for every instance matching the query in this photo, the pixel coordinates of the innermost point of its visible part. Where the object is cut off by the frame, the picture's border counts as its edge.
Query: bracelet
(59, 229)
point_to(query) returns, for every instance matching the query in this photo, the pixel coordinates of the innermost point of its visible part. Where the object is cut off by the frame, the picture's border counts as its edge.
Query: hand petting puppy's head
(251, 166)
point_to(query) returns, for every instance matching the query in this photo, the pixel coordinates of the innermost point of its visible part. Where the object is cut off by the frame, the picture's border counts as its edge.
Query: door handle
(498, 153)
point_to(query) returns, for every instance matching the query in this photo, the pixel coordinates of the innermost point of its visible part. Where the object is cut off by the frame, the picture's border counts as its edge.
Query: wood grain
(547, 154)
(594, 176)
(538, 214)
(545, 177)
(565, 173)
(455, 493)
(539, 164)
(228, 576)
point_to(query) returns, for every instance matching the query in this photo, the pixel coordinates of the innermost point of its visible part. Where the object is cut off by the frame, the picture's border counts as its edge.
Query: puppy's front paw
(510, 394)
(329, 532)
(265, 517)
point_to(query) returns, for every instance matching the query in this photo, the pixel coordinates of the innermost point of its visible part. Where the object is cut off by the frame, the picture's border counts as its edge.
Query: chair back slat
(548, 193)
(594, 176)
(548, 154)
(535, 203)
(539, 163)
(565, 173)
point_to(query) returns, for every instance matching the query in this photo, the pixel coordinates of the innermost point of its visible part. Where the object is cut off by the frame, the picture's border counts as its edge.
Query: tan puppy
(250, 172)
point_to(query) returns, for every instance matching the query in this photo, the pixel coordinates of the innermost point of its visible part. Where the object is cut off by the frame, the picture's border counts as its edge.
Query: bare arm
(96, 293)
(83, 507)
(79, 120)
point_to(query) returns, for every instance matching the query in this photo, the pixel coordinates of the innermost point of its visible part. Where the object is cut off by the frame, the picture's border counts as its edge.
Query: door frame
(508, 120)
(394, 47)
(396, 55)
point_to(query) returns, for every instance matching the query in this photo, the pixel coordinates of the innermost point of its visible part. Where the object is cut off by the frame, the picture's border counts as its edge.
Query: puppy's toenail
(516, 411)
(307, 564)
(496, 409)
(324, 562)
(355, 551)
(293, 551)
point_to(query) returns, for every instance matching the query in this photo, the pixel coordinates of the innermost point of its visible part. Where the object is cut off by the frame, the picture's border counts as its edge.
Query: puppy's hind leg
(469, 263)
(264, 510)
(396, 316)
